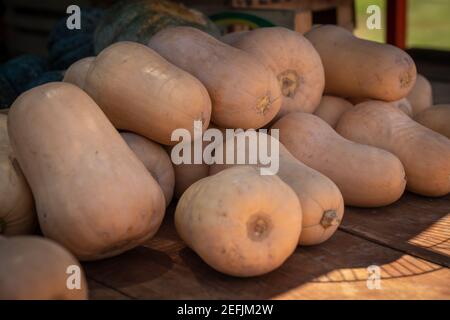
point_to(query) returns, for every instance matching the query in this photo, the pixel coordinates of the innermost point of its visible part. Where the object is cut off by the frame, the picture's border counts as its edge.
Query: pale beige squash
(367, 176)
(421, 95)
(294, 61)
(17, 214)
(402, 104)
(424, 153)
(437, 118)
(331, 109)
(245, 93)
(360, 68)
(240, 222)
(76, 74)
(155, 159)
(141, 92)
(321, 201)
(92, 193)
(35, 268)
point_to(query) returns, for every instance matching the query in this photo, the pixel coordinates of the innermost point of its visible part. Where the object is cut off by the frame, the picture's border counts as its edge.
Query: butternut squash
(17, 214)
(361, 68)
(424, 153)
(34, 268)
(141, 92)
(92, 193)
(421, 95)
(331, 109)
(294, 61)
(320, 199)
(436, 118)
(155, 159)
(186, 174)
(404, 105)
(245, 94)
(367, 176)
(240, 222)
(76, 74)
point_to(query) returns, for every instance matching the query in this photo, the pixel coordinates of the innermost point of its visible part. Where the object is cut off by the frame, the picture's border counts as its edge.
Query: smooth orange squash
(424, 153)
(17, 215)
(367, 176)
(245, 94)
(436, 118)
(34, 268)
(141, 92)
(294, 61)
(240, 222)
(155, 159)
(361, 68)
(92, 193)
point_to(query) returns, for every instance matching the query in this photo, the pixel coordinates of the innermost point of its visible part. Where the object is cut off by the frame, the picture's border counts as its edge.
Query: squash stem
(329, 219)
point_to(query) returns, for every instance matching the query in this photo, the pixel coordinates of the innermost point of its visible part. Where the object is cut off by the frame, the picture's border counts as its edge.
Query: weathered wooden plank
(165, 269)
(4, 111)
(417, 225)
(97, 291)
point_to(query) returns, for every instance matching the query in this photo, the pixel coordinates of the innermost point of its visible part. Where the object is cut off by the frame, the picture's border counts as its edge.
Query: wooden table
(408, 240)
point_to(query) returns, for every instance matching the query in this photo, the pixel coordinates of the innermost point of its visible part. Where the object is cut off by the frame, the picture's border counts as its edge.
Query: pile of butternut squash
(89, 157)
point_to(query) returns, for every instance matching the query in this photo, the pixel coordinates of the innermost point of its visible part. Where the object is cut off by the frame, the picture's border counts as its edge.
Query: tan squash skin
(361, 68)
(244, 93)
(367, 176)
(424, 153)
(155, 159)
(421, 95)
(331, 109)
(76, 74)
(17, 214)
(92, 193)
(34, 268)
(436, 118)
(141, 92)
(294, 61)
(402, 104)
(321, 201)
(187, 174)
(239, 222)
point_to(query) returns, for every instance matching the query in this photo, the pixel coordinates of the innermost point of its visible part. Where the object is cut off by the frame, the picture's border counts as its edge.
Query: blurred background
(36, 47)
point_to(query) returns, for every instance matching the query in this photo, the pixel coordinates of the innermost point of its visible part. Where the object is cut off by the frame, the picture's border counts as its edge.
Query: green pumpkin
(139, 20)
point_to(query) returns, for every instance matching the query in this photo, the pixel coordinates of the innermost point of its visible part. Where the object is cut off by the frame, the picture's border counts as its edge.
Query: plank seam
(381, 243)
(112, 288)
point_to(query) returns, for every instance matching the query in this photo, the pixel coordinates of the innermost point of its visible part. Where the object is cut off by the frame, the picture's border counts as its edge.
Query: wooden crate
(305, 10)
(300, 15)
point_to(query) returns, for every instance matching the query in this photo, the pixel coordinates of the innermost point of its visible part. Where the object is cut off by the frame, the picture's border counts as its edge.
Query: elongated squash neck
(289, 81)
(329, 219)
